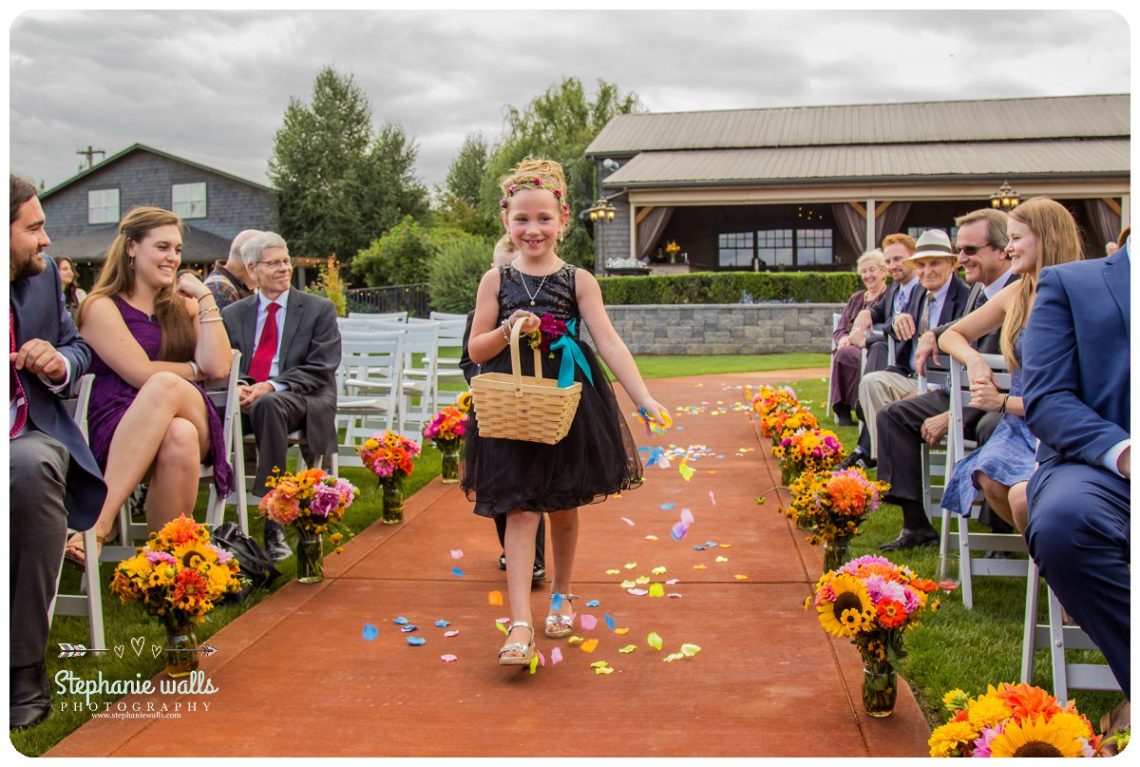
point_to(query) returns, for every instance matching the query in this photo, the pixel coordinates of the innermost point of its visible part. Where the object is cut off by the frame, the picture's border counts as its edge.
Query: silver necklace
(527, 287)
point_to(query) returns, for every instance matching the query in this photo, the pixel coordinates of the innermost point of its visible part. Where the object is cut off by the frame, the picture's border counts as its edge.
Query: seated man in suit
(290, 350)
(943, 300)
(1077, 375)
(902, 297)
(53, 480)
(903, 426)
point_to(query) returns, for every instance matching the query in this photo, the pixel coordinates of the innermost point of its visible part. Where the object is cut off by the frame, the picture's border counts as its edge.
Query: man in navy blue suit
(1077, 372)
(53, 481)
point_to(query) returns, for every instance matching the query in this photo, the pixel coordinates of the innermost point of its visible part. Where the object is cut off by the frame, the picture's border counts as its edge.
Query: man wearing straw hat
(945, 299)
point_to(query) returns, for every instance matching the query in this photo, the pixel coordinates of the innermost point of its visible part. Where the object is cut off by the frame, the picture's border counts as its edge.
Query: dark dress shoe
(910, 539)
(29, 696)
(539, 572)
(858, 459)
(502, 561)
(275, 543)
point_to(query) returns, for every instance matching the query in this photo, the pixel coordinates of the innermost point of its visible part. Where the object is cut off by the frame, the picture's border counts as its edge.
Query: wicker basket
(529, 408)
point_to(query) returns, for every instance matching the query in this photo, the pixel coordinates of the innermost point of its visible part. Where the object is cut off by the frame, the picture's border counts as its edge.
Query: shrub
(454, 274)
(732, 288)
(330, 285)
(401, 256)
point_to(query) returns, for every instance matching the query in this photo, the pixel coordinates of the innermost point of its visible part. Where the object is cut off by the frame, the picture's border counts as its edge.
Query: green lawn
(122, 622)
(956, 647)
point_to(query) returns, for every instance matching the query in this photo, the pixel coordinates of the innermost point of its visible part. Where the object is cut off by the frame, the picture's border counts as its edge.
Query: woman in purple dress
(154, 335)
(849, 336)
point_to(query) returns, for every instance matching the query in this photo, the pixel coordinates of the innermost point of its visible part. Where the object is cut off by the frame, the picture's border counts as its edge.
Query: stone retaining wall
(725, 328)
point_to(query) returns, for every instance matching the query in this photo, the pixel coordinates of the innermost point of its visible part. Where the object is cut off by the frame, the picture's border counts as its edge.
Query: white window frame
(193, 199)
(102, 206)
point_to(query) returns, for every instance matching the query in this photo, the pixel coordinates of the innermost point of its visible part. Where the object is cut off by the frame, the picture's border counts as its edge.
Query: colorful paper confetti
(495, 598)
(452, 633)
(610, 623)
(654, 640)
(457, 553)
(400, 621)
(449, 658)
(588, 622)
(416, 641)
(656, 590)
(457, 571)
(555, 656)
(442, 624)
(593, 603)
(628, 521)
(370, 632)
(589, 645)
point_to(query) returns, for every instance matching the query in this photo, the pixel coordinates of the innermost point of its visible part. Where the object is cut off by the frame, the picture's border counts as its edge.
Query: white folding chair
(418, 393)
(449, 350)
(90, 602)
(831, 370)
(445, 316)
(227, 400)
(969, 542)
(1058, 638)
(369, 385)
(379, 316)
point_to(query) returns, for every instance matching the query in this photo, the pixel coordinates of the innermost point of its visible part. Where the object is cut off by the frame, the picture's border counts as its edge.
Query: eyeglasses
(972, 250)
(278, 263)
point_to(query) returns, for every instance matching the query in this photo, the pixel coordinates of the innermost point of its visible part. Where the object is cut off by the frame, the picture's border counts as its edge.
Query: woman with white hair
(850, 336)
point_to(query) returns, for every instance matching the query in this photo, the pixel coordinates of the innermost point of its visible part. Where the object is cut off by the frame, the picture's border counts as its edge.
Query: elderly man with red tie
(290, 350)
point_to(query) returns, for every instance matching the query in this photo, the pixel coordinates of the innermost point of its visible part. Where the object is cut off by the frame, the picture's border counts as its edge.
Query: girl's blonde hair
(540, 173)
(1058, 242)
(117, 278)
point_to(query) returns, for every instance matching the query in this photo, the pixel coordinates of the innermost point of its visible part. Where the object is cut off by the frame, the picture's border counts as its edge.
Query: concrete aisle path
(295, 677)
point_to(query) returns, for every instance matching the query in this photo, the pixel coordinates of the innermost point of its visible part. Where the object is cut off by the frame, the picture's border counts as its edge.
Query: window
(103, 206)
(813, 246)
(775, 246)
(189, 200)
(735, 249)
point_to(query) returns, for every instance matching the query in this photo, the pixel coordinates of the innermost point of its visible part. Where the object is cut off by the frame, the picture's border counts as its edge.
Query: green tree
(339, 185)
(559, 124)
(402, 255)
(465, 174)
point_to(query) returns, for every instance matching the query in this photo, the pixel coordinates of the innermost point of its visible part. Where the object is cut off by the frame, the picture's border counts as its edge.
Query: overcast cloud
(214, 85)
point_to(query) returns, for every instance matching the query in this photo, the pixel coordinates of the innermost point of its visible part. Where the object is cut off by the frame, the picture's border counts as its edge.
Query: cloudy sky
(214, 85)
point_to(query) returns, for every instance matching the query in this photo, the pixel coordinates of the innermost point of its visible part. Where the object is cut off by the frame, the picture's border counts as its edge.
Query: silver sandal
(558, 626)
(526, 650)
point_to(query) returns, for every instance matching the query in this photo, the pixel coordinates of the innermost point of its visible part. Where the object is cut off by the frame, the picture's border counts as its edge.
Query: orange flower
(891, 613)
(847, 494)
(183, 530)
(1025, 700)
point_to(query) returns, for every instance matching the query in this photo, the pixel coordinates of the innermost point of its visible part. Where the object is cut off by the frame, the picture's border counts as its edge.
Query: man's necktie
(15, 389)
(980, 300)
(900, 301)
(266, 347)
(924, 323)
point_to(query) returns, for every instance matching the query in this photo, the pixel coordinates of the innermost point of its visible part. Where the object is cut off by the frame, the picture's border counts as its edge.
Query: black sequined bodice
(555, 296)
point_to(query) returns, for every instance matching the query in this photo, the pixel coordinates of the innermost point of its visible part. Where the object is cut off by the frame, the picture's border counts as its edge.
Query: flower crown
(534, 183)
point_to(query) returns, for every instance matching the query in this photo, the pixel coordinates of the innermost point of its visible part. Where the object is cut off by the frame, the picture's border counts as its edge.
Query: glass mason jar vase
(393, 497)
(880, 687)
(181, 647)
(449, 460)
(310, 558)
(835, 553)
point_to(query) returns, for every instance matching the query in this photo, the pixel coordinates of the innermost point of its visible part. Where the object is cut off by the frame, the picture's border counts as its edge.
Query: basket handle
(516, 366)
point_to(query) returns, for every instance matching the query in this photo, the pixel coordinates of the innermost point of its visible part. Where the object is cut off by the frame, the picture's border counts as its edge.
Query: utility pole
(90, 153)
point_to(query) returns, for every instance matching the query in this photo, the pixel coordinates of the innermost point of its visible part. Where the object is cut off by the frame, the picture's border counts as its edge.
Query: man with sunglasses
(290, 350)
(902, 427)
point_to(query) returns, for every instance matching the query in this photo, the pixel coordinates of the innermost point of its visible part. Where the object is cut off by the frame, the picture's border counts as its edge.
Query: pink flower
(537, 181)
(325, 500)
(279, 507)
(154, 557)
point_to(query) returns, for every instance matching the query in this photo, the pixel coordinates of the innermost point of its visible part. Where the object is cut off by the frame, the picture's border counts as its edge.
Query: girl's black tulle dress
(596, 458)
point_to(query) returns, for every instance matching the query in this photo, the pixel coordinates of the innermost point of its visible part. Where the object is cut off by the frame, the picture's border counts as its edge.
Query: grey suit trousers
(37, 473)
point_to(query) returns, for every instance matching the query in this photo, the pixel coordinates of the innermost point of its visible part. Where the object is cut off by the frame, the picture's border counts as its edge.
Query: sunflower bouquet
(780, 423)
(808, 450)
(874, 602)
(446, 430)
(768, 400)
(833, 504)
(1013, 720)
(178, 575)
(311, 500)
(391, 457)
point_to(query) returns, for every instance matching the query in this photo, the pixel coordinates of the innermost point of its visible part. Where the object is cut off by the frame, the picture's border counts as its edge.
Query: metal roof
(909, 161)
(1058, 117)
(199, 246)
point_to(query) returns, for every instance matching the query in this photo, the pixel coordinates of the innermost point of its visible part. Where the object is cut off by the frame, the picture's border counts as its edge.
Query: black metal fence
(412, 299)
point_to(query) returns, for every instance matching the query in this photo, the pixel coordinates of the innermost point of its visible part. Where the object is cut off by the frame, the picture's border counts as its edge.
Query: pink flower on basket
(325, 500)
(279, 507)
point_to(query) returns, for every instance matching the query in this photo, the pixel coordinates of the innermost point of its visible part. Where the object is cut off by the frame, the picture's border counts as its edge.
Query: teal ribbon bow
(571, 355)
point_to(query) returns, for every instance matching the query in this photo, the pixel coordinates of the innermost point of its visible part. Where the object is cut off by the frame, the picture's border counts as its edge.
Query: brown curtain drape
(650, 229)
(852, 226)
(1103, 222)
(891, 220)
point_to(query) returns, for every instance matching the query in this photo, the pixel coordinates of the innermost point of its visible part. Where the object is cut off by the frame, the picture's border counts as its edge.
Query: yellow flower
(956, 700)
(1036, 737)
(846, 615)
(463, 401)
(947, 739)
(371, 443)
(1071, 724)
(987, 711)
